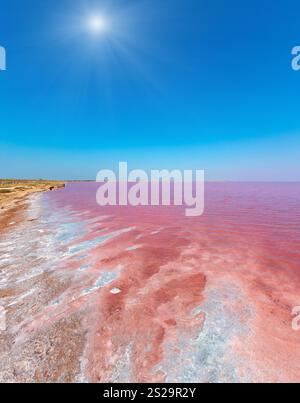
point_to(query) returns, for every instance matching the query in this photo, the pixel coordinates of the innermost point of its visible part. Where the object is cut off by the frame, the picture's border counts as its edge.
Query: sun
(97, 23)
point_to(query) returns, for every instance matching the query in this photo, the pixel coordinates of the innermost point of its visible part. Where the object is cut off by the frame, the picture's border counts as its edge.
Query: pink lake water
(146, 294)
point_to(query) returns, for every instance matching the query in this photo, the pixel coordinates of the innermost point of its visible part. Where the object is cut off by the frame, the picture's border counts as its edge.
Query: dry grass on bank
(12, 190)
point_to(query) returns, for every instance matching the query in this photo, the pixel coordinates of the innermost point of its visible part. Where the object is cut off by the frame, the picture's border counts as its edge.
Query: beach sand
(13, 197)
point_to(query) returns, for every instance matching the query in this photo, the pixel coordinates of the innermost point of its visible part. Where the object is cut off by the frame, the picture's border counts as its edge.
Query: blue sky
(202, 84)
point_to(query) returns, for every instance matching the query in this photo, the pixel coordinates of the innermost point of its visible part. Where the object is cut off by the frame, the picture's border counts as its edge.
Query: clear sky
(202, 84)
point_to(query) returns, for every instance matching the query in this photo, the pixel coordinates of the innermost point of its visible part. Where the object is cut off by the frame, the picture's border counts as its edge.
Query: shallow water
(146, 294)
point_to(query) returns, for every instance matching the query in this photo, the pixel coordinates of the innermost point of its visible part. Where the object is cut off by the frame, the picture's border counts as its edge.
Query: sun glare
(97, 24)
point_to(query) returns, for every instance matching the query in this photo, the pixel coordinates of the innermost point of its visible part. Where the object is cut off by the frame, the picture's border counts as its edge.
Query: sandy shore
(13, 196)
